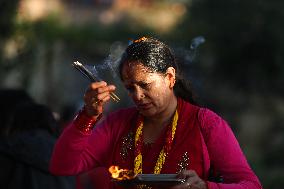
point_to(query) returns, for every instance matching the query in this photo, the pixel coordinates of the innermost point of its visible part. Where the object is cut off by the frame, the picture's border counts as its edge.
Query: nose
(138, 94)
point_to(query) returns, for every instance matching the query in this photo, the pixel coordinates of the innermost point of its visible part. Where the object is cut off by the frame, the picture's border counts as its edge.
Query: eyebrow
(138, 83)
(143, 82)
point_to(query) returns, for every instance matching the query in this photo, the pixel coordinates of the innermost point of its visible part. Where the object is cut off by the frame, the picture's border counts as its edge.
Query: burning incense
(81, 68)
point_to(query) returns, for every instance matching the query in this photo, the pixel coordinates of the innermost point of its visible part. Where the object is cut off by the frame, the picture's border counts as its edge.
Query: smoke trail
(94, 71)
(109, 66)
(189, 55)
(195, 42)
(116, 51)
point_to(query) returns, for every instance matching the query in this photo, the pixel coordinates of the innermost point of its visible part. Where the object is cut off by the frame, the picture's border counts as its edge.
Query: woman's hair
(158, 57)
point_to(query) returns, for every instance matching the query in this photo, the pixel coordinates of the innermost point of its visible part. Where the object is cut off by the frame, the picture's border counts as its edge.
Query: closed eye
(144, 85)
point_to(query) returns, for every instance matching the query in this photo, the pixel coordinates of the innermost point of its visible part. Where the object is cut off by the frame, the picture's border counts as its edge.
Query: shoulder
(188, 110)
(207, 116)
(211, 121)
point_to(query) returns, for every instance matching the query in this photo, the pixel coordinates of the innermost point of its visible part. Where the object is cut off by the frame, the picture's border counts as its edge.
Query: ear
(171, 77)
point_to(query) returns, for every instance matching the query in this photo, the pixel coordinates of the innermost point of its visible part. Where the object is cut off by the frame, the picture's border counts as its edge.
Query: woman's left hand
(192, 181)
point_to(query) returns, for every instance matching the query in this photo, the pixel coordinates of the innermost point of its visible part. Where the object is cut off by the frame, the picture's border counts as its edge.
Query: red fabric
(187, 139)
(76, 152)
(84, 122)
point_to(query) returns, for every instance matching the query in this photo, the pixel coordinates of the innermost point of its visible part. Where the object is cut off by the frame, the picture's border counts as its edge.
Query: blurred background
(238, 72)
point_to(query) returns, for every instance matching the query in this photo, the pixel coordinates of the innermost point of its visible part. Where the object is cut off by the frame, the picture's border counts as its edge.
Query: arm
(225, 154)
(74, 151)
(77, 149)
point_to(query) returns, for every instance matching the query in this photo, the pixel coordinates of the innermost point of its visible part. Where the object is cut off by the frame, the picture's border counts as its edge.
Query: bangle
(85, 123)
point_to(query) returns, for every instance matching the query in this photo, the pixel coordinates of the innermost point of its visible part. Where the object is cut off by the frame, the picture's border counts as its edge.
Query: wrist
(84, 122)
(91, 112)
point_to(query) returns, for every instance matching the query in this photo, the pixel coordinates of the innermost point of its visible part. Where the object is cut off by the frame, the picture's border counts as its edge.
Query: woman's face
(150, 91)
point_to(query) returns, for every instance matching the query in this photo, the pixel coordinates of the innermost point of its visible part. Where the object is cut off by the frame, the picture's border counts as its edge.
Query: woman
(164, 133)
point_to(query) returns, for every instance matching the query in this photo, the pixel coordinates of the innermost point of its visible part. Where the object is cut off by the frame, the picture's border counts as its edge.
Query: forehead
(133, 72)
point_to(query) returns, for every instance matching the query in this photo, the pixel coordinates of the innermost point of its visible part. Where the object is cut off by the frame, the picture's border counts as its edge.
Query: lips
(144, 106)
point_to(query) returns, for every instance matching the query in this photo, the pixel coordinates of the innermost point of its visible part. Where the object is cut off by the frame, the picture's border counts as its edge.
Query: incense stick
(81, 68)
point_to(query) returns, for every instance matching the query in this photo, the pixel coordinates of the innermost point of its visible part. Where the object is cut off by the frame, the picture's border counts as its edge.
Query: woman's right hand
(97, 94)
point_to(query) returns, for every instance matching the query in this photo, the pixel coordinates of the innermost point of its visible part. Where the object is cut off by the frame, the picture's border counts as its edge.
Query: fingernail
(93, 85)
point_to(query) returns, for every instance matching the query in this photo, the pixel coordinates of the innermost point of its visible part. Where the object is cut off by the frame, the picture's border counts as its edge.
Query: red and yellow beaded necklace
(163, 153)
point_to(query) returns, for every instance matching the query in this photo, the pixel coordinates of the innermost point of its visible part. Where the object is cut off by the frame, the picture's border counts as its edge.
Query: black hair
(158, 57)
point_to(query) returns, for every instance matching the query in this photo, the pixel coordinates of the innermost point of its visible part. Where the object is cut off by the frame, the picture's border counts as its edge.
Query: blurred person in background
(26, 147)
(9, 99)
(167, 132)
(67, 114)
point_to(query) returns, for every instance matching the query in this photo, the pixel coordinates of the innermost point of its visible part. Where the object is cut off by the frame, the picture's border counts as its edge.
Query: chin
(147, 113)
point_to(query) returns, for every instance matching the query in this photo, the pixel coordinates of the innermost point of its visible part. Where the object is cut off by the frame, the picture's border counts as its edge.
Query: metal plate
(151, 180)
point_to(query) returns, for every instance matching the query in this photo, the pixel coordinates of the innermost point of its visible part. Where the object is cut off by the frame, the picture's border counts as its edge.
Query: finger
(109, 88)
(193, 180)
(94, 99)
(99, 84)
(181, 186)
(103, 95)
(104, 100)
(98, 94)
(187, 173)
(95, 85)
(188, 185)
(99, 87)
(101, 101)
(93, 93)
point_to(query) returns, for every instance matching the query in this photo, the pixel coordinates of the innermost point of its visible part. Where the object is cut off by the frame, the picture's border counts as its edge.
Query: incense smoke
(189, 55)
(109, 66)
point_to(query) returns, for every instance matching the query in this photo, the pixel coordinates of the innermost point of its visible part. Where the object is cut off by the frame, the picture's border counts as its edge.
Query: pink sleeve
(76, 152)
(226, 155)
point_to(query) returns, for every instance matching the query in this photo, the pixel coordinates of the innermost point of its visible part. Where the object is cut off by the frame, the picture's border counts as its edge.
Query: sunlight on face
(149, 90)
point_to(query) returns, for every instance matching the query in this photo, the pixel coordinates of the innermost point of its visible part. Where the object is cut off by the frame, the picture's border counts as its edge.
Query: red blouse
(202, 140)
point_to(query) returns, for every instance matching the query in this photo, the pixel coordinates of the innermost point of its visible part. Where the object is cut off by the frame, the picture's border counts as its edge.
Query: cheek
(159, 92)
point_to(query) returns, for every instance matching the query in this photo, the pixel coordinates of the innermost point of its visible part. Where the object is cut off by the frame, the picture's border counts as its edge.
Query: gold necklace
(163, 153)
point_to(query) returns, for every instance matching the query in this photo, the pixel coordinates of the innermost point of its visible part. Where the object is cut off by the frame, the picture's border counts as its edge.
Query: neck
(165, 116)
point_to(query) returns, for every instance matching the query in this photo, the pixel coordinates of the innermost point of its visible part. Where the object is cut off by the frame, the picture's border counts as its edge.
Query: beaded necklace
(163, 153)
